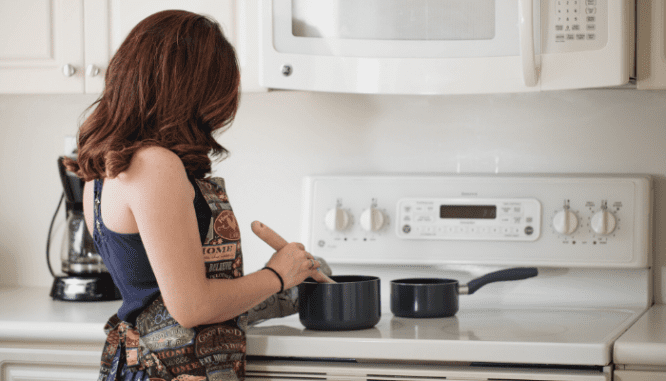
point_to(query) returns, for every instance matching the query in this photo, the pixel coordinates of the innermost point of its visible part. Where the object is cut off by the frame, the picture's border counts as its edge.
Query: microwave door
(388, 47)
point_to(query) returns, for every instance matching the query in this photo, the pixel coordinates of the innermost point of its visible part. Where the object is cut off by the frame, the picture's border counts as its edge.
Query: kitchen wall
(280, 137)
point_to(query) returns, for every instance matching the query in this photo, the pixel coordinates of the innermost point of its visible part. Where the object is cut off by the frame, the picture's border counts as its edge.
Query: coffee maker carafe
(87, 278)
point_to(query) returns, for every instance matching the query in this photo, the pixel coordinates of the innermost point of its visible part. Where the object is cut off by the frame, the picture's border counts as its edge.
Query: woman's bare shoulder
(155, 157)
(155, 168)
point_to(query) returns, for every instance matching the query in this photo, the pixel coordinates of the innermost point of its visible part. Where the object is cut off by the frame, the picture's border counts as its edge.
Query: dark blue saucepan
(436, 297)
(351, 303)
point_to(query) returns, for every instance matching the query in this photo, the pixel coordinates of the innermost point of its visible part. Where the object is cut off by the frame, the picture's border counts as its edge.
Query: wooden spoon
(275, 241)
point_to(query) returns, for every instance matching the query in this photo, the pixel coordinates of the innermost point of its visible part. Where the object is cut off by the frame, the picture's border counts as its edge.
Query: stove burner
(507, 325)
(479, 326)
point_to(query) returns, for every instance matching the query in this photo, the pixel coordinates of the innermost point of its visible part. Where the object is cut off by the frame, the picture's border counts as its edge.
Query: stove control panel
(540, 220)
(469, 219)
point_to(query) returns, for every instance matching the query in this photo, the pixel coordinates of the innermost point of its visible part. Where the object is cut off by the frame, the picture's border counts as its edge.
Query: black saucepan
(351, 303)
(436, 297)
(341, 302)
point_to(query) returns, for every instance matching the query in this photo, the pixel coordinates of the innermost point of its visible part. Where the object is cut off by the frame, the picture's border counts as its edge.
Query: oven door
(349, 370)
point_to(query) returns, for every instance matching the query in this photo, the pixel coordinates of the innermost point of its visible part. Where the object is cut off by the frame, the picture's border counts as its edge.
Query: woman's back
(121, 246)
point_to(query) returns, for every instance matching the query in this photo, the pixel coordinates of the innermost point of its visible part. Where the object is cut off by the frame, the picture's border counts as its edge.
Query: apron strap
(97, 199)
(121, 334)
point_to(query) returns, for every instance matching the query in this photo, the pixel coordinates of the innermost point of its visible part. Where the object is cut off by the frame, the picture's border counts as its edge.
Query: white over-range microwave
(446, 46)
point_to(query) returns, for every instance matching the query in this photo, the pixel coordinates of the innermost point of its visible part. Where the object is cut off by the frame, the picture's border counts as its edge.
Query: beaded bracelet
(279, 277)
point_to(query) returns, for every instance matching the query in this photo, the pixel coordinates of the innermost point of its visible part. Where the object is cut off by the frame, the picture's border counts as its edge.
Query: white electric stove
(589, 236)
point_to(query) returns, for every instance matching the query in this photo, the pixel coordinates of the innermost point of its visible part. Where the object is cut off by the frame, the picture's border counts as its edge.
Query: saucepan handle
(516, 273)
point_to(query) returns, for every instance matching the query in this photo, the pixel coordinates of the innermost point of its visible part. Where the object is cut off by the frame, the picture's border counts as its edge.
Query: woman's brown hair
(173, 81)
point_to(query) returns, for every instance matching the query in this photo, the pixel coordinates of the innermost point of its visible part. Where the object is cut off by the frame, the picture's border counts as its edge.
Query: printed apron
(158, 348)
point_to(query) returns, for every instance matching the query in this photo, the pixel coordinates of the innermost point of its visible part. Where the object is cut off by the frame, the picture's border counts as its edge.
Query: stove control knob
(565, 222)
(337, 219)
(372, 219)
(603, 222)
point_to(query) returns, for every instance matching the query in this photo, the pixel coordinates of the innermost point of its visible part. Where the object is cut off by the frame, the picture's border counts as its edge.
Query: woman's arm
(160, 197)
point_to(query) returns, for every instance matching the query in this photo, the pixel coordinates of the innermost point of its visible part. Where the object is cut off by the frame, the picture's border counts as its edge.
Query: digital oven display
(482, 212)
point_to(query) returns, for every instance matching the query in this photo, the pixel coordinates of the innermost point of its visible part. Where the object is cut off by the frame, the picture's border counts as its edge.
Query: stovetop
(549, 319)
(514, 335)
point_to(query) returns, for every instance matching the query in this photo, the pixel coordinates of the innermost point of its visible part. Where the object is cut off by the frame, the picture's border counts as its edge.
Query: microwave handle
(526, 30)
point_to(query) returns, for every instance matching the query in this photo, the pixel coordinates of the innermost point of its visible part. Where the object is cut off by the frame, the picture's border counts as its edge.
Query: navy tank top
(125, 256)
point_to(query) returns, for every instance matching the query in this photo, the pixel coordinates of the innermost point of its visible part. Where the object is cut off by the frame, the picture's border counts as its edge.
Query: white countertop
(30, 314)
(645, 342)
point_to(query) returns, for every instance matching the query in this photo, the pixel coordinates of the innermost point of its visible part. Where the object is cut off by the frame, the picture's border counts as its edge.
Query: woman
(166, 232)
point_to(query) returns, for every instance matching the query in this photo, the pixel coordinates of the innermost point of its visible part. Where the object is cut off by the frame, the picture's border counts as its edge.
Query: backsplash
(280, 137)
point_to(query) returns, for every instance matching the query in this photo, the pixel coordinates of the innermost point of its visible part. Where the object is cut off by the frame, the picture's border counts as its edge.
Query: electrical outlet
(70, 145)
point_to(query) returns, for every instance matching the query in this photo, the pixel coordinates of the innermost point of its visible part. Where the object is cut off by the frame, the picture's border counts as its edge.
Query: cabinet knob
(92, 70)
(68, 70)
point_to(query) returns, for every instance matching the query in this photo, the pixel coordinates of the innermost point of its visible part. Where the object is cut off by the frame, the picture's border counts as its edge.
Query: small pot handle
(515, 273)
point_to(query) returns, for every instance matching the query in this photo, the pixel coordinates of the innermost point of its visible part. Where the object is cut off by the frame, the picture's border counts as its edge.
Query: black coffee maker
(86, 278)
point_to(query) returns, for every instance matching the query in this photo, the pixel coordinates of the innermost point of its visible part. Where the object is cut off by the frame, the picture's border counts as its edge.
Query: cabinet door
(39, 38)
(96, 32)
(108, 23)
(50, 373)
(27, 361)
(247, 44)
(651, 45)
(632, 375)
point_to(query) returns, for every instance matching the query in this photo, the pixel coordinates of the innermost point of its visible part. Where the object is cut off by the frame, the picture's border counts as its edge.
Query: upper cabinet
(41, 49)
(651, 45)
(64, 46)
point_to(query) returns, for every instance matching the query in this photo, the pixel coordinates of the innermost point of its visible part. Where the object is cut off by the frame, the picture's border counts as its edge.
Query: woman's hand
(291, 261)
(294, 264)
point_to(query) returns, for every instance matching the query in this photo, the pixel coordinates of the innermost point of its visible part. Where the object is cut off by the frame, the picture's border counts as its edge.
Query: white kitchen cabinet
(45, 339)
(238, 18)
(40, 361)
(651, 45)
(41, 48)
(64, 46)
(638, 375)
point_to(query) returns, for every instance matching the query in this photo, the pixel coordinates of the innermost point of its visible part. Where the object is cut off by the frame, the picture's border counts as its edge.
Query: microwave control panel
(575, 25)
(542, 220)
